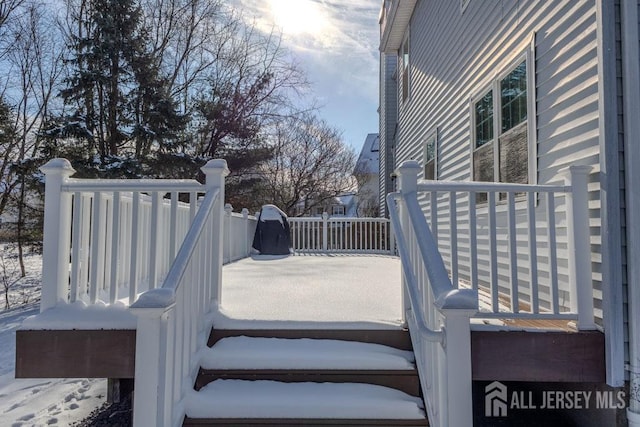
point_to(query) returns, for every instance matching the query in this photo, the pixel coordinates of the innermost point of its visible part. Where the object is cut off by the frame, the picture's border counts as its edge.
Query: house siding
(388, 112)
(455, 56)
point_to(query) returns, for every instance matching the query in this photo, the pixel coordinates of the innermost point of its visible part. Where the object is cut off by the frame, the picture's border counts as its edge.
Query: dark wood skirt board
(551, 356)
(75, 353)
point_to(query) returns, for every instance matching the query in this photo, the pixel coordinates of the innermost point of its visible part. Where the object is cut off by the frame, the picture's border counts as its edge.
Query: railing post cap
(154, 302)
(409, 166)
(58, 165)
(464, 301)
(580, 169)
(228, 208)
(576, 170)
(325, 215)
(215, 166)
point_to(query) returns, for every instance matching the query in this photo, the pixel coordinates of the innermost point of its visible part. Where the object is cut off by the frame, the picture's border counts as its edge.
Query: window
(404, 64)
(337, 210)
(500, 128)
(430, 155)
(318, 210)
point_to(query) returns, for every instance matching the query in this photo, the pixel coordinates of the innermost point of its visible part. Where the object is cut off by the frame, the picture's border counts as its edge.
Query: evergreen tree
(120, 102)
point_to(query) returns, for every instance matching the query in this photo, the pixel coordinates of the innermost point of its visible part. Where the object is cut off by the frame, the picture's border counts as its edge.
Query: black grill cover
(272, 232)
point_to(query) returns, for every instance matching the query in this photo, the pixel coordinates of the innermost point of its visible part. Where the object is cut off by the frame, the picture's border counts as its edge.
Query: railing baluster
(115, 246)
(533, 252)
(133, 273)
(153, 243)
(86, 235)
(453, 237)
(473, 241)
(553, 256)
(433, 197)
(108, 214)
(513, 253)
(493, 255)
(97, 249)
(173, 226)
(75, 254)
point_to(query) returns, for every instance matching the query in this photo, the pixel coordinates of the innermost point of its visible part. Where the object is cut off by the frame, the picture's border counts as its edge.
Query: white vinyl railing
(110, 239)
(174, 320)
(341, 234)
(437, 313)
(524, 247)
(239, 229)
(517, 250)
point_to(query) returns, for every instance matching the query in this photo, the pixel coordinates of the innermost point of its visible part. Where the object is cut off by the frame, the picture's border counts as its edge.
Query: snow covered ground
(295, 292)
(35, 402)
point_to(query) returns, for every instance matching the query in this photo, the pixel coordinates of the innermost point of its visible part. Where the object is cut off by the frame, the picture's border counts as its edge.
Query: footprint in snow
(52, 421)
(74, 406)
(26, 417)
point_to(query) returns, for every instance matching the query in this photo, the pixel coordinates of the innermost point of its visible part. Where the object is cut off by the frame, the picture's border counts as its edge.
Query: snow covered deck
(311, 291)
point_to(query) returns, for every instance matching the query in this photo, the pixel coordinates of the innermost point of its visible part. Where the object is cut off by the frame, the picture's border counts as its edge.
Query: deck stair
(307, 377)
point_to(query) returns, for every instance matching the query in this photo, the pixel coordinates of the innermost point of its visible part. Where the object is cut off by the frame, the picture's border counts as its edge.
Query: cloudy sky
(336, 42)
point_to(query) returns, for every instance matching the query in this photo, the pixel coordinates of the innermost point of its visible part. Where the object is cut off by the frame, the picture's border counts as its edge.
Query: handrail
(445, 294)
(428, 333)
(164, 185)
(164, 296)
(480, 187)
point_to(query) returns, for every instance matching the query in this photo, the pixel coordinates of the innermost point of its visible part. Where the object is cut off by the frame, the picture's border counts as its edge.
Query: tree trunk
(20, 236)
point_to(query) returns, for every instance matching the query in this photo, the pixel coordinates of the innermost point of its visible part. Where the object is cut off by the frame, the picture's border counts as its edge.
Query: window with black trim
(337, 210)
(502, 155)
(430, 155)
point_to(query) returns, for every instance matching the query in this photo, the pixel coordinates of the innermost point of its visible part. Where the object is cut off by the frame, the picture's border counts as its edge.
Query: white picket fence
(439, 304)
(341, 234)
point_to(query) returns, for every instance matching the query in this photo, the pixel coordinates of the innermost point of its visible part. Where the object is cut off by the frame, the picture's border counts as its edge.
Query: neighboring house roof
(368, 162)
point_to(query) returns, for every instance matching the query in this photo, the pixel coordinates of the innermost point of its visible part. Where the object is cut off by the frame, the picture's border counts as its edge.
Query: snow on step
(304, 353)
(271, 399)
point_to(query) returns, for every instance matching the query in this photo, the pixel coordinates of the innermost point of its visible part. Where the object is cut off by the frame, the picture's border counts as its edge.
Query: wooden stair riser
(405, 381)
(397, 338)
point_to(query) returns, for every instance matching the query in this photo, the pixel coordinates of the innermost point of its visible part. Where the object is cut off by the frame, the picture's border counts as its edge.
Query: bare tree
(35, 63)
(8, 277)
(310, 166)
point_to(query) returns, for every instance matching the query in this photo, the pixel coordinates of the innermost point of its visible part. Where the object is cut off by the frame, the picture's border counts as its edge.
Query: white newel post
(215, 171)
(457, 347)
(407, 183)
(151, 335)
(57, 233)
(579, 245)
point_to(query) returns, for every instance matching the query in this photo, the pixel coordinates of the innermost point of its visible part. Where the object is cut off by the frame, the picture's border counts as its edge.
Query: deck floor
(307, 291)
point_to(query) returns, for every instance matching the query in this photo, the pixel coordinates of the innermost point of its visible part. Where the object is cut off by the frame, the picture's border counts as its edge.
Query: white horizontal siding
(455, 56)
